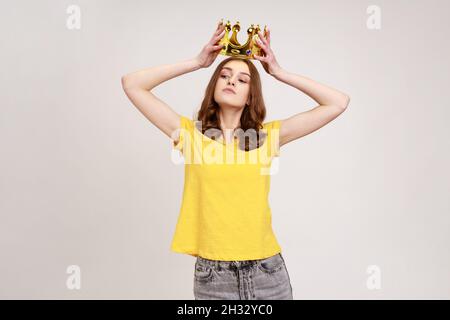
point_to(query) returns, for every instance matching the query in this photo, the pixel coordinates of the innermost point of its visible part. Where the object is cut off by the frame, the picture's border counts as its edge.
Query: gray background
(87, 180)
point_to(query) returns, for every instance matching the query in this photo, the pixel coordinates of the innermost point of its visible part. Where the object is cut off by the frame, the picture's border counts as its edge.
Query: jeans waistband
(232, 264)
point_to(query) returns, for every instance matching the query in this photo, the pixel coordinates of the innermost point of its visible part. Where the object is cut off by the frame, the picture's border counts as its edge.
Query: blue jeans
(263, 279)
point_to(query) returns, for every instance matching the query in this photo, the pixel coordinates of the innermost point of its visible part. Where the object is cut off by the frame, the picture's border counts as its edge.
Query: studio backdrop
(90, 191)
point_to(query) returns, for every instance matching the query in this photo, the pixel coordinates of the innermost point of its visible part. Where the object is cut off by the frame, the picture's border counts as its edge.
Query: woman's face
(236, 76)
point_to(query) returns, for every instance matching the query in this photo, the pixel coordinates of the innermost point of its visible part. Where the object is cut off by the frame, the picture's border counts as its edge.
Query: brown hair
(252, 116)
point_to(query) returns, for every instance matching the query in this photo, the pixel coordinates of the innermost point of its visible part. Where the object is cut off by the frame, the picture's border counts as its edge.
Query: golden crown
(233, 48)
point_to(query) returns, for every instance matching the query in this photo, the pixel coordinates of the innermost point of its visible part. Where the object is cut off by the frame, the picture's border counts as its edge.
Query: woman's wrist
(196, 64)
(277, 73)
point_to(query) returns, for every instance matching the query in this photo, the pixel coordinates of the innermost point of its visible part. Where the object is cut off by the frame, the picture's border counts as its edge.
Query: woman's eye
(225, 76)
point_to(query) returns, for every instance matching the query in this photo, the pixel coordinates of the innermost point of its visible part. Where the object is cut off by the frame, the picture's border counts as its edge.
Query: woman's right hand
(210, 51)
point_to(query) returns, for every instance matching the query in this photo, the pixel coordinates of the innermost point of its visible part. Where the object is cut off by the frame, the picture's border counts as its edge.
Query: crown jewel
(233, 48)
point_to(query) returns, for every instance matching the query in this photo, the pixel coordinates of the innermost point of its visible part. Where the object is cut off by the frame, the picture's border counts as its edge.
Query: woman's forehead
(237, 69)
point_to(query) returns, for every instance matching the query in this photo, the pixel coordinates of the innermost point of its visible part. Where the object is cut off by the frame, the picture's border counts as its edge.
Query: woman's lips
(228, 91)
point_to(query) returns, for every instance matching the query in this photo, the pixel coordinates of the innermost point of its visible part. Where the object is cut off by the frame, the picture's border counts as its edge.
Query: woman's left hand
(268, 61)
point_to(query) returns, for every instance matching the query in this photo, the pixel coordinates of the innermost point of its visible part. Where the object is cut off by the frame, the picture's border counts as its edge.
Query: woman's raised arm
(331, 103)
(137, 86)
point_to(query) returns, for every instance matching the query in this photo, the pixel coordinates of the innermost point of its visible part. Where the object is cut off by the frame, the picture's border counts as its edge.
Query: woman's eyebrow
(232, 70)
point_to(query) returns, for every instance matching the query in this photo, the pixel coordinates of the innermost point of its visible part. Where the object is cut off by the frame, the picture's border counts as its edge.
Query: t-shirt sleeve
(183, 134)
(273, 137)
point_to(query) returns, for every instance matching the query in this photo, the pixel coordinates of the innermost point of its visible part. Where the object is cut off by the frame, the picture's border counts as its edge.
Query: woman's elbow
(345, 101)
(127, 82)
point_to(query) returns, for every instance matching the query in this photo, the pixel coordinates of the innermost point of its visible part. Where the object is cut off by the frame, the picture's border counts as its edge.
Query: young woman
(225, 217)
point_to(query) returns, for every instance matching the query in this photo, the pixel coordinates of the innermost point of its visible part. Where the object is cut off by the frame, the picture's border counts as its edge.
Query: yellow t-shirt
(225, 212)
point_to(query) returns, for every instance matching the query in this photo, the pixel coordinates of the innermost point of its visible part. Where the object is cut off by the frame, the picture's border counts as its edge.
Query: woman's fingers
(260, 58)
(261, 45)
(261, 36)
(218, 37)
(219, 29)
(218, 34)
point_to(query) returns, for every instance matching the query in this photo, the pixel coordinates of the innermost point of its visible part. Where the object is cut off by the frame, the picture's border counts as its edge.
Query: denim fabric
(263, 279)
